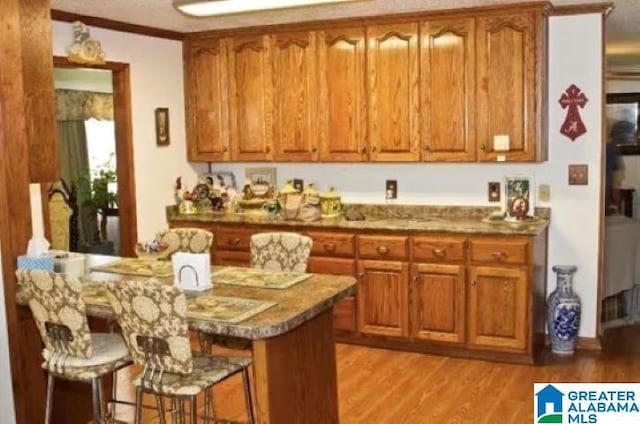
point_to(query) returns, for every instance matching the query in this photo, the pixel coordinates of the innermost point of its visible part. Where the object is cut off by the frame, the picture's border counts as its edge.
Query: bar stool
(71, 351)
(152, 316)
(191, 240)
(280, 251)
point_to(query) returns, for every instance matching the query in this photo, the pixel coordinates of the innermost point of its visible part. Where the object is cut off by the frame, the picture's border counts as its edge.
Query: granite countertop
(295, 305)
(440, 219)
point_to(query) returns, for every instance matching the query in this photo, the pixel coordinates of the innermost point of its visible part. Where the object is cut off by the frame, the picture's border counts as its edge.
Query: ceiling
(623, 31)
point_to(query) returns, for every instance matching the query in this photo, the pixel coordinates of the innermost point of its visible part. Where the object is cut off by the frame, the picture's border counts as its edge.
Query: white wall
(575, 57)
(6, 391)
(156, 81)
(96, 80)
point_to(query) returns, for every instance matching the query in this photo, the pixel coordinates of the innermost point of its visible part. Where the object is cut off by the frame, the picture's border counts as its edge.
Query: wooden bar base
(295, 375)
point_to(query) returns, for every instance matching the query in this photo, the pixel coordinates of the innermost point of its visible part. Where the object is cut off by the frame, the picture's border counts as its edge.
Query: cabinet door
(394, 93)
(250, 98)
(295, 96)
(448, 90)
(207, 100)
(383, 298)
(498, 307)
(342, 96)
(438, 300)
(507, 84)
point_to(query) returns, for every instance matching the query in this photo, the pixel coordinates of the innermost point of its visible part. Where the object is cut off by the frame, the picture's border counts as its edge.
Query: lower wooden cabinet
(383, 298)
(231, 258)
(438, 302)
(497, 313)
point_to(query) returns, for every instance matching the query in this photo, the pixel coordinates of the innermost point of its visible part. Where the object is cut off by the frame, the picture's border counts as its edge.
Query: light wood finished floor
(382, 386)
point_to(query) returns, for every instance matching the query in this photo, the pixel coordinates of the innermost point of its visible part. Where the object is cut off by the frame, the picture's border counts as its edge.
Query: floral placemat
(228, 309)
(257, 278)
(95, 294)
(139, 267)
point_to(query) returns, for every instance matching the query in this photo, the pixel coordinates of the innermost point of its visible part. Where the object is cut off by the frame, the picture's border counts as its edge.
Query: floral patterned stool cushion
(190, 240)
(109, 354)
(207, 371)
(287, 252)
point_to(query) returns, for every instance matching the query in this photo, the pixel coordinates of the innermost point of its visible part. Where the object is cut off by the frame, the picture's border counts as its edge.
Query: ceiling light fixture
(228, 7)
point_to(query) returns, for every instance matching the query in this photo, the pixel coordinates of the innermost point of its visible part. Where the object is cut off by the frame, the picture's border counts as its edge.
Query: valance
(74, 105)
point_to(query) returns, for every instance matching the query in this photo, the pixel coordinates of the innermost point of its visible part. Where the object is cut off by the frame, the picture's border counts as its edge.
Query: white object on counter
(192, 271)
(68, 262)
(38, 246)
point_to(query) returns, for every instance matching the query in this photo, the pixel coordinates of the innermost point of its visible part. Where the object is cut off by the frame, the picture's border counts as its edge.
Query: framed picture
(222, 179)
(162, 126)
(261, 176)
(519, 196)
(623, 121)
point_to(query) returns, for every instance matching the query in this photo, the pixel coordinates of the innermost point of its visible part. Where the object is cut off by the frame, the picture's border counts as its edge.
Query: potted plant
(98, 200)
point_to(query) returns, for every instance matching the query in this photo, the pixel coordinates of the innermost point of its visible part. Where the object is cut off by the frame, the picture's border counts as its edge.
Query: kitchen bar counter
(400, 218)
(293, 342)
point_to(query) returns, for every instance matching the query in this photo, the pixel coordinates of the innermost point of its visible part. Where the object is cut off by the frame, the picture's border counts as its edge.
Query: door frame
(120, 73)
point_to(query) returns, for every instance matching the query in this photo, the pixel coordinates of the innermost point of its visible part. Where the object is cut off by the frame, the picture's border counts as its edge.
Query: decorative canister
(331, 203)
(563, 312)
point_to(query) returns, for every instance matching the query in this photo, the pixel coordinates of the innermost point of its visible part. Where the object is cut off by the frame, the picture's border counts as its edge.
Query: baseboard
(584, 343)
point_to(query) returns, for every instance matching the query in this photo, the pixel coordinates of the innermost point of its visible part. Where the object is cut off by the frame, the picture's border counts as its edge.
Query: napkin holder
(192, 271)
(68, 262)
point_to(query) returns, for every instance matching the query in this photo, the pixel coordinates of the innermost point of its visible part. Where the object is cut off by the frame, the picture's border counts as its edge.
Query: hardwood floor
(381, 386)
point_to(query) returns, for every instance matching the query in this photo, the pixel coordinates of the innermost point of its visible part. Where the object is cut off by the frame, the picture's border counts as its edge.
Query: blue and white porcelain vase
(563, 312)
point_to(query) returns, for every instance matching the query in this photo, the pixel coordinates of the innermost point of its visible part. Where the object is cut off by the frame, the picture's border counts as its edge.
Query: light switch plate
(494, 191)
(544, 192)
(578, 174)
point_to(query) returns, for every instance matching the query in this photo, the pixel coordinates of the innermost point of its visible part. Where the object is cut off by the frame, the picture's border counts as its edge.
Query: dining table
(286, 317)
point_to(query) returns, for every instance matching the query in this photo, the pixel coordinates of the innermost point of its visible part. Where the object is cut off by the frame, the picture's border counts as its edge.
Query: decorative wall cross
(573, 99)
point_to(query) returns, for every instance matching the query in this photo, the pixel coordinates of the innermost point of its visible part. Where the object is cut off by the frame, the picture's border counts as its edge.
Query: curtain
(74, 167)
(74, 105)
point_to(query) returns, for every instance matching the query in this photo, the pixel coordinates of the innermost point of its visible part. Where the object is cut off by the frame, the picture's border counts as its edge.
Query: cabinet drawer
(344, 314)
(438, 249)
(383, 247)
(332, 244)
(233, 239)
(500, 251)
(333, 266)
(226, 258)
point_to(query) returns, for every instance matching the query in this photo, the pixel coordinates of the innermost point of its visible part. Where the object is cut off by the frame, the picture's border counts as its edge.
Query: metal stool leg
(160, 405)
(96, 388)
(247, 395)
(114, 394)
(193, 410)
(139, 393)
(49, 409)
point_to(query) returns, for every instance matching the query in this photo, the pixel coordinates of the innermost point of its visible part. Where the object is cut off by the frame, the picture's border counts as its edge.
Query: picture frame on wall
(162, 126)
(222, 179)
(519, 197)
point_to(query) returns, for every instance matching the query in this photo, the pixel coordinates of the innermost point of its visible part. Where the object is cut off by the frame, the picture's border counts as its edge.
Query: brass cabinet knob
(364, 149)
(483, 147)
(373, 148)
(474, 282)
(383, 250)
(499, 255)
(427, 148)
(330, 247)
(225, 149)
(234, 241)
(314, 149)
(439, 253)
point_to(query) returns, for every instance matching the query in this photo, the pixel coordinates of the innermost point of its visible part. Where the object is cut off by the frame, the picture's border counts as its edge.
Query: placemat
(228, 309)
(139, 267)
(258, 278)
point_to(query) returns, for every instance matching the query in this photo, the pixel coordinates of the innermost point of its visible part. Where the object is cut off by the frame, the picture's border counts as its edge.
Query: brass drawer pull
(439, 253)
(383, 250)
(499, 255)
(234, 241)
(330, 247)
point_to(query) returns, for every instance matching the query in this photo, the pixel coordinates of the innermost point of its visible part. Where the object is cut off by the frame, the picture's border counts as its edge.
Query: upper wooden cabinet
(250, 98)
(343, 95)
(511, 69)
(448, 90)
(394, 105)
(294, 94)
(207, 106)
(417, 88)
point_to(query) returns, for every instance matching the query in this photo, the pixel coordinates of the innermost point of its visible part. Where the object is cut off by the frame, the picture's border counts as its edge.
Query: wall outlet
(494, 191)
(298, 184)
(578, 174)
(544, 192)
(391, 189)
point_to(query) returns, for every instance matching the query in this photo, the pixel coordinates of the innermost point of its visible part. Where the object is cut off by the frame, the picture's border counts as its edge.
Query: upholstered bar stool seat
(190, 240)
(207, 371)
(109, 354)
(280, 251)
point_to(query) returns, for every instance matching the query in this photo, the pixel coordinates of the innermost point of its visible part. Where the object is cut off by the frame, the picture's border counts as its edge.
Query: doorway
(92, 209)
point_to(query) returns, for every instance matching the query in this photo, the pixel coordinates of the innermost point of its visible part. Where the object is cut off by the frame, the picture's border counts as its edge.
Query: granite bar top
(401, 218)
(295, 305)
